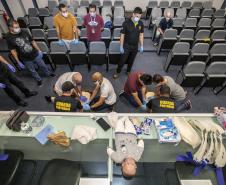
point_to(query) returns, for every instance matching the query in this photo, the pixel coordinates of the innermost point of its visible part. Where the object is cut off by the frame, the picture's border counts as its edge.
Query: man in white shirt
(74, 77)
(107, 96)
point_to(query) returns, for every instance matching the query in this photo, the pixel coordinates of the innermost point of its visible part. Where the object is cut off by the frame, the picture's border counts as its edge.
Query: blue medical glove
(11, 68)
(86, 107)
(2, 86)
(75, 41)
(141, 49)
(122, 50)
(61, 42)
(21, 65)
(143, 107)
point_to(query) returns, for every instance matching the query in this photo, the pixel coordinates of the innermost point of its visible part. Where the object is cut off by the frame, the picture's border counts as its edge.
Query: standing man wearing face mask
(25, 51)
(165, 23)
(94, 24)
(66, 26)
(131, 34)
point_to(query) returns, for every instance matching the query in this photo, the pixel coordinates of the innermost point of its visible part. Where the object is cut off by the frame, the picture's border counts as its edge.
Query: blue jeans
(40, 63)
(131, 99)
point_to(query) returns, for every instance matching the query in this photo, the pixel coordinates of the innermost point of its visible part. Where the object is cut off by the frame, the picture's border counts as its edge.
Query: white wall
(42, 3)
(27, 4)
(217, 3)
(3, 26)
(16, 8)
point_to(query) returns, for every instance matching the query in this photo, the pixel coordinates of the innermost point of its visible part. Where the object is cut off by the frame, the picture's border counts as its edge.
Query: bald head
(129, 168)
(77, 78)
(168, 15)
(97, 77)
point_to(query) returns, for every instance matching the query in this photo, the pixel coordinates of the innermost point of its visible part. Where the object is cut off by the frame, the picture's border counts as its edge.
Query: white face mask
(16, 30)
(65, 14)
(93, 14)
(97, 83)
(136, 19)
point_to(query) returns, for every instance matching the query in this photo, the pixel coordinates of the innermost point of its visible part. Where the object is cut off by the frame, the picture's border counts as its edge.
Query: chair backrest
(156, 12)
(44, 12)
(197, 4)
(119, 12)
(43, 47)
(178, 22)
(171, 10)
(79, 48)
(106, 33)
(218, 22)
(96, 2)
(187, 34)
(114, 47)
(81, 12)
(71, 10)
(23, 22)
(219, 34)
(217, 68)
(117, 33)
(26, 30)
(35, 21)
(219, 13)
(186, 4)
(55, 11)
(164, 4)
(84, 3)
(219, 48)
(207, 13)
(118, 3)
(181, 48)
(65, 2)
(48, 21)
(52, 33)
(97, 47)
(175, 4)
(204, 22)
(106, 10)
(194, 67)
(152, 4)
(203, 34)
(170, 34)
(207, 4)
(33, 12)
(190, 22)
(38, 33)
(55, 47)
(75, 4)
(200, 48)
(118, 21)
(181, 12)
(52, 4)
(83, 33)
(107, 3)
(194, 13)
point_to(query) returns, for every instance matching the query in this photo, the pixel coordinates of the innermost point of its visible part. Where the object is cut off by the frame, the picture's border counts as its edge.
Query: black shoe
(52, 75)
(39, 83)
(31, 93)
(48, 98)
(188, 104)
(22, 103)
(121, 93)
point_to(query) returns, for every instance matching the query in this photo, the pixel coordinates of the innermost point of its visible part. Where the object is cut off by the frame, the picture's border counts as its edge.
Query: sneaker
(156, 44)
(39, 83)
(116, 75)
(121, 93)
(31, 93)
(48, 98)
(52, 75)
(188, 104)
(22, 103)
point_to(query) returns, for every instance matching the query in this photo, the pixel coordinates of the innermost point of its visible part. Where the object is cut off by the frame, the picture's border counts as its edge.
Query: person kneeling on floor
(128, 150)
(66, 102)
(107, 97)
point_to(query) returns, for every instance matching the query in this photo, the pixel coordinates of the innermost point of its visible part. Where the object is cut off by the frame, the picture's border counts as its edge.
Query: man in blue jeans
(25, 51)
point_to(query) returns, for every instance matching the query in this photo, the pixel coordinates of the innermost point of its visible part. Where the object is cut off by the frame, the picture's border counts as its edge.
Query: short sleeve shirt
(132, 33)
(67, 104)
(93, 32)
(107, 91)
(164, 24)
(21, 42)
(132, 84)
(65, 25)
(162, 105)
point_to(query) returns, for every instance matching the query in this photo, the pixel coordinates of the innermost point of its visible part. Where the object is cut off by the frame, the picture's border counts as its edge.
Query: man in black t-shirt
(131, 34)
(25, 51)
(66, 103)
(165, 23)
(7, 78)
(165, 104)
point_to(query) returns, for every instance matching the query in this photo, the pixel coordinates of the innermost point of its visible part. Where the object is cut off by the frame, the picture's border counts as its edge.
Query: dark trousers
(131, 99)
(181, 106)
(103, 106)
(12, 79)
(128, 57)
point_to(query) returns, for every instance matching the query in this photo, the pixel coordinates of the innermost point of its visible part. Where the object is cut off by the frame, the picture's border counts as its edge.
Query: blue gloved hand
(141, 49)
(143, 107)
(11, 68)
(122, 50)
(86, 107)
(61, 42)
(21, 65)
(2, 86)
(75, 41)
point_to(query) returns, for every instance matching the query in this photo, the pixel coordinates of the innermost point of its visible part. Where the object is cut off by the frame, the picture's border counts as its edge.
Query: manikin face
(129, 167)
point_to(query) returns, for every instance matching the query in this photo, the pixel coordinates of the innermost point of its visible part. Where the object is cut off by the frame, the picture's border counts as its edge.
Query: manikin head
(137, 12)
(129, 168)
(77, 78)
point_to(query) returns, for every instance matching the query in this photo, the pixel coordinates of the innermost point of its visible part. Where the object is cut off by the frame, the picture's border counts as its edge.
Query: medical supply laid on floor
(59, 138)
(42, 136)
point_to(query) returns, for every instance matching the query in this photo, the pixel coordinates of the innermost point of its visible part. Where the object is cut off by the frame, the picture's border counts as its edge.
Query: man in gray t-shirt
(128, 150)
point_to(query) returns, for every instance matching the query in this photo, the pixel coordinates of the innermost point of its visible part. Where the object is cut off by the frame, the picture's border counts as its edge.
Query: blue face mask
(136, 19)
